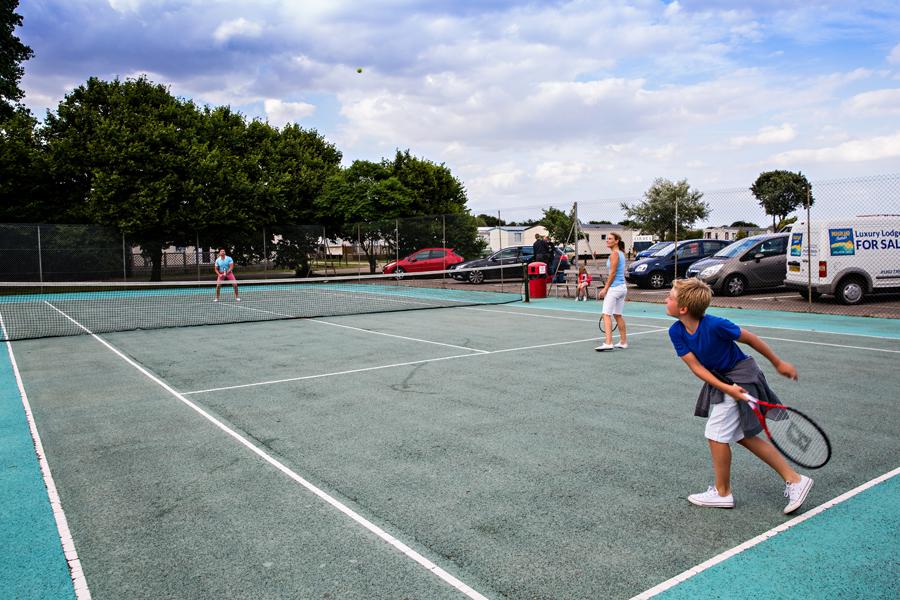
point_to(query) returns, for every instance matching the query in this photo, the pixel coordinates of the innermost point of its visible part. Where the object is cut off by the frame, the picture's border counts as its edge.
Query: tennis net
(29, 310)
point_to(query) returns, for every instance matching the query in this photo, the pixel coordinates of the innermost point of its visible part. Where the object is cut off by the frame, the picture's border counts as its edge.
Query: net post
(40, 256)
(526, 293)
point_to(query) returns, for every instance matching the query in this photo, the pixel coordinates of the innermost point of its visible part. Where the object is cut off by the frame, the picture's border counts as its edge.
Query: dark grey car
(753, 263)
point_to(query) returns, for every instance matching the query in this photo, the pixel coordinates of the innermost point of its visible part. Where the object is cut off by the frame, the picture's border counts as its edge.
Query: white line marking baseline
(334, 502)
(62, 524)
(760, 538)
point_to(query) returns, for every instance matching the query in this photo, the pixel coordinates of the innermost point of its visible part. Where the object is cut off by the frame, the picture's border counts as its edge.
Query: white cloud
(879, 102)
(558, 173)
(767, 135)
(894, 56)
(237, 28)
(874, 148)
(281, 113)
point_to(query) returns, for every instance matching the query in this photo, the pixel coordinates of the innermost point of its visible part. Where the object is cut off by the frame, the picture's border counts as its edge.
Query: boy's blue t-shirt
(712, 343)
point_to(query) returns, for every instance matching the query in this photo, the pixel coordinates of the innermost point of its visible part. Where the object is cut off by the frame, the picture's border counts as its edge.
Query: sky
(530, 104)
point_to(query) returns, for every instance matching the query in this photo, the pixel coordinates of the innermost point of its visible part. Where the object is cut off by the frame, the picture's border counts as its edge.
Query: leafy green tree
(662, 202)
(120, 155)
(489, 221)
(744, 224)
(781, 192)
(23, 181)
(12, 54)
(559, 225)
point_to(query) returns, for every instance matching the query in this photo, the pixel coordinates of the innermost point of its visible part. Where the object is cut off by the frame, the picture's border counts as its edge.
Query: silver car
(752, 263)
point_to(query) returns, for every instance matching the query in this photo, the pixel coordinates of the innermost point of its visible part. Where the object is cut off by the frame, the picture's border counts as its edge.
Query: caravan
(851, 257)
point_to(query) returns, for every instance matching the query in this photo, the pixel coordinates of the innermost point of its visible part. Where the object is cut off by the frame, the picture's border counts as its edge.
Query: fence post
(40, 257)
(124, 260)
(265, 254)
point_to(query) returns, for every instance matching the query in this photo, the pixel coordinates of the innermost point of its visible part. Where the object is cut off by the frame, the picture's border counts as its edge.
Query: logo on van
(841, 241)
(796, 244)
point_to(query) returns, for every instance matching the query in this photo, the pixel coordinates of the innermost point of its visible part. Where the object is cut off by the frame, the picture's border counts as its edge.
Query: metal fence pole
(265, 253)
(197, 253)
(40, 257)
(444, 245)
(124, 260)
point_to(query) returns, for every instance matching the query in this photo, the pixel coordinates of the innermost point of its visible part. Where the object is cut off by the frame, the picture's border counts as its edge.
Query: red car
(426, 259)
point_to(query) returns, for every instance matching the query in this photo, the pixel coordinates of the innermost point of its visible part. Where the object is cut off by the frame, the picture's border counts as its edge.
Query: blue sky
(530, 104)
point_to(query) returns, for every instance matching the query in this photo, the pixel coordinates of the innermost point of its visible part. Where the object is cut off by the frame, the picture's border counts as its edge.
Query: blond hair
(692, 294)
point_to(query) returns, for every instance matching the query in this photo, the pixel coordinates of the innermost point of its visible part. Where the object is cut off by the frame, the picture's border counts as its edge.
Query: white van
(851, 257)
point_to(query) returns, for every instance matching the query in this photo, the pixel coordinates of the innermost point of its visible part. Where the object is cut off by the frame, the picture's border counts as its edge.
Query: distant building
(731, 233)
(502, 236)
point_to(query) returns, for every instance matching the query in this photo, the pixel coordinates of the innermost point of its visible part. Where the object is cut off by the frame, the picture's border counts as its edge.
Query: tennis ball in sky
(359, 69)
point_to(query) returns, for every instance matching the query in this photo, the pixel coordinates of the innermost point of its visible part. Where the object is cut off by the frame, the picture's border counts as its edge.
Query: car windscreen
(667, 250)
(739, 247)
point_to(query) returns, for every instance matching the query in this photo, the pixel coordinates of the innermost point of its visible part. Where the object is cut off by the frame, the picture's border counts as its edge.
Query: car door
(419, 261)
(770, 262)
(688, 253)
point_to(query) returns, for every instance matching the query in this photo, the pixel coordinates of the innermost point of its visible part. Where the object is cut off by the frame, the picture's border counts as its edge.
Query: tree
(744, 224)
(559, 224)
(781, 192)
(662, 202)
(601, 222)
(23, 181)
(489, 221)
(121, 155)
(12, 53)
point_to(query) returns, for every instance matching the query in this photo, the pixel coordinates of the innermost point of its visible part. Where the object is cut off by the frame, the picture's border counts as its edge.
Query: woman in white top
(613, 293)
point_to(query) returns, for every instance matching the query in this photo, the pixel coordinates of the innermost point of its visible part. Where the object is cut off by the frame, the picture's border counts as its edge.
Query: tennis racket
(800, 439)
(615, 325)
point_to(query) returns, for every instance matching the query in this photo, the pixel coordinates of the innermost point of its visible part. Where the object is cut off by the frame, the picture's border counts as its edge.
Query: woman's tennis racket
(615, 324)
(797, 437)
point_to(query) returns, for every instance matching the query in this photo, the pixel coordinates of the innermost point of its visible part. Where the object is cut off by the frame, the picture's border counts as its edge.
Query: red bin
(537, 280)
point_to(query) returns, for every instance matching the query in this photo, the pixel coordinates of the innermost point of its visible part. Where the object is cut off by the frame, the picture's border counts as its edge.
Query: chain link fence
(835, 257)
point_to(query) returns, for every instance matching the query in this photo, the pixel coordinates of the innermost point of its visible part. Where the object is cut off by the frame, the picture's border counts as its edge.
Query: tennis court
(476, 451)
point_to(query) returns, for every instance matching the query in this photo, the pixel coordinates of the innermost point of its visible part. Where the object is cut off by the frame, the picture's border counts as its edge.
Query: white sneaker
(711, 498)
(237, 299)
(622, 346)
(603, 347)
(796, 493)
(215, 299)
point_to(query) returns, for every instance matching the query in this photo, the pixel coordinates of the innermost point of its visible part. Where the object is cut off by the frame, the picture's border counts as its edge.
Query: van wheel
(805, 294)
(657, 280)
(851, 290)
(735, 285)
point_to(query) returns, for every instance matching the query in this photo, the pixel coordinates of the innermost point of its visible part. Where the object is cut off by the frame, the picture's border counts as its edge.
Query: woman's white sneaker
(711, 498)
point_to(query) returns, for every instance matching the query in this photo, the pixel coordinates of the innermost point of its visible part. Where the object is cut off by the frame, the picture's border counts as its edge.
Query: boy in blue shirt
(707, 343)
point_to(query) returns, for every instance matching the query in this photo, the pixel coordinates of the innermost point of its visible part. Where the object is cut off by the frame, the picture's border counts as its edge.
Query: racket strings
(798, 438)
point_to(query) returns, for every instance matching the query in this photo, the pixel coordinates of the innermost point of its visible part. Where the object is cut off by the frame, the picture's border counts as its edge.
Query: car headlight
(640, 268)
(710, 271)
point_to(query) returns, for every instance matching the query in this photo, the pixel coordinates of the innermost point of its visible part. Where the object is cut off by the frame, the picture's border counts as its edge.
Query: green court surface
(449, 453)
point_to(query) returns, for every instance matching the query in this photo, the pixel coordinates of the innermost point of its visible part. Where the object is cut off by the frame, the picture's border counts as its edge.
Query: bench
(571, 283)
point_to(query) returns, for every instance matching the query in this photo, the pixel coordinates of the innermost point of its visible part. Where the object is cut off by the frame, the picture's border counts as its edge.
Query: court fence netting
(51, 309)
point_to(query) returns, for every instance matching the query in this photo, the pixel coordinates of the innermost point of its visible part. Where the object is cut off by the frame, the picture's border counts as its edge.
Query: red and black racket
(800, 439)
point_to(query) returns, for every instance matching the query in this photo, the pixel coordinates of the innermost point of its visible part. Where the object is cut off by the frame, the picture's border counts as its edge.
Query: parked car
(426, 259)
(651, 250)
(507, 262)
(658, 270)
(752, 263)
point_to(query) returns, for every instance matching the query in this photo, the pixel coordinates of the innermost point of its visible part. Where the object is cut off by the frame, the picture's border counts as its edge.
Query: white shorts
(614, 301)
(724, 422)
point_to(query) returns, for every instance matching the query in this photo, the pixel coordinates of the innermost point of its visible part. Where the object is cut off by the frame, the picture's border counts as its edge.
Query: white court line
(665, 585)
(403, 364)
(833, 345)
(402, 337)
(334, 502)
(62, 524)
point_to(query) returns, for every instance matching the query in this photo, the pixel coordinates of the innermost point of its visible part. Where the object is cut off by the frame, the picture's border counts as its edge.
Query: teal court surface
(470, 452)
